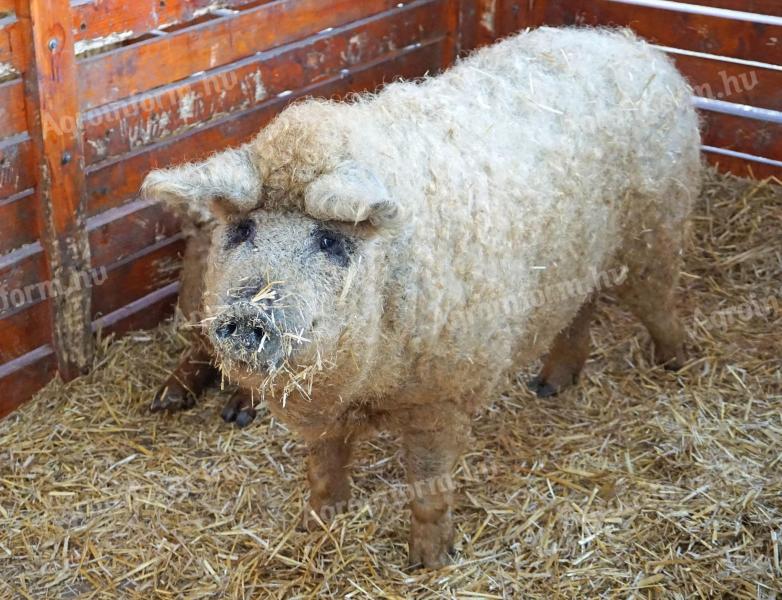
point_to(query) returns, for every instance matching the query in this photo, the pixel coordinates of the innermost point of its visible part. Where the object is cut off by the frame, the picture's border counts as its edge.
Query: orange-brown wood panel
(16, 165)
(13, 119)
(732, 82)
(18, 218)
(126, 231)
(25, 328)
(24, 377)
(765, 7)
(11, 43)
(116, 181)
(145, 313)
(6, 6)
(515, 15)
(22, 268)
(51, 102)
(140, 67)
(123, 126)
(101, 19)
(702, 33)
(751, 136)
(744, 168)
(138, 276)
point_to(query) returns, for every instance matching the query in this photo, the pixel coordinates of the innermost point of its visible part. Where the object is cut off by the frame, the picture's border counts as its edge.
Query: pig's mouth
(252, 338)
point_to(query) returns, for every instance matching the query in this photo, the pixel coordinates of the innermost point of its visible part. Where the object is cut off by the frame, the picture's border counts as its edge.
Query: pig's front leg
(433, 441)
(329, 478)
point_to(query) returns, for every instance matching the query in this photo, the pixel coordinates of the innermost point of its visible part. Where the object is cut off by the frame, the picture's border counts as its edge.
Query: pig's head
(297, 262)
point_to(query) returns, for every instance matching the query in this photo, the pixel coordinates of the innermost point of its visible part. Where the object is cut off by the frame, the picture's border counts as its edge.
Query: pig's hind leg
(569, 352)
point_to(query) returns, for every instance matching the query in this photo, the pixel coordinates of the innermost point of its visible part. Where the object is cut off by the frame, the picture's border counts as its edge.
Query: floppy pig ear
(224, 183)
(352, 194)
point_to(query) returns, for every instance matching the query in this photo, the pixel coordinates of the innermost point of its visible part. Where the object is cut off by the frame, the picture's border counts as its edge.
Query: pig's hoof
(542, 388)
(431, 546)
(431, 558)
(172, 398)
(239, 410)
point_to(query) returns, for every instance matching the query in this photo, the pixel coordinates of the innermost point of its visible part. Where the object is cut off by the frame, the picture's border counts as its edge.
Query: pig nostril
(226, 330)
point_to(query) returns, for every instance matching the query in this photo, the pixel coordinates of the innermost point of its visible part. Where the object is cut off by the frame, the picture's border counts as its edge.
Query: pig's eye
(240, 232)
(333, 245)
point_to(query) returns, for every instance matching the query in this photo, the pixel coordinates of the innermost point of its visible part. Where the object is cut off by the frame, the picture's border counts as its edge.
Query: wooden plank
(52, 100)
(145, 313)
(701, 33)
(515, 15)
(16, 165)
(139, 275)
(22, 378)
(763, 7)
(22, 268)
(112, 183)
(122, 232)
(6, 6)
(732, 82)
(743, 167)
(11, 43)
(140, 67)
(13, 119)
(120, 127)
(751, 136)
(18, 221)
(100, 21)
(25, 329)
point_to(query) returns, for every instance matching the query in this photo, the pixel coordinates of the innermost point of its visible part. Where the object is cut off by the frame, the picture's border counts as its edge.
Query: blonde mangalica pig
(386, 263)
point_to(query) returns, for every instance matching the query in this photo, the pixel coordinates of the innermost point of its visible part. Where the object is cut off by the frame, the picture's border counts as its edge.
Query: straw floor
(638, 484)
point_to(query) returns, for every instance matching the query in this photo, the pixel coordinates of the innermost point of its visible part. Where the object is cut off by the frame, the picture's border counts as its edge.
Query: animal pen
(629, 488)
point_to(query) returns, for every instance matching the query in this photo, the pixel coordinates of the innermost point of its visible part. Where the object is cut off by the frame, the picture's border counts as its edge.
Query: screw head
(53, 44)
(66, 158)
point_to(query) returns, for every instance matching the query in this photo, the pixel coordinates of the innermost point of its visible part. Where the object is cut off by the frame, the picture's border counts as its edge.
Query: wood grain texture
(94, 20)
(24, 377)
(13, 119)
(712, 35)
(145, 119)
(764, 7)
(25, 329)
(140, 67)
(113, 183)
(18, 221)
(17, 171)
(51, 103)
(12, 50)
(139, 275)
(732, 82)
(751, 136)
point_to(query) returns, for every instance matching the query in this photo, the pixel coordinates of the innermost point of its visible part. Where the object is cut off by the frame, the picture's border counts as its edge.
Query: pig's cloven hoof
(172, 398)
(238, 410)
(546, 389)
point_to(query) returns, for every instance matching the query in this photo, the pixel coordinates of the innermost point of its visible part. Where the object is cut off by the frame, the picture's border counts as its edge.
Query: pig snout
(246, 332)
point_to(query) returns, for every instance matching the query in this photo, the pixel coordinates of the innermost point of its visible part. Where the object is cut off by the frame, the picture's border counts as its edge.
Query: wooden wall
(95, 93)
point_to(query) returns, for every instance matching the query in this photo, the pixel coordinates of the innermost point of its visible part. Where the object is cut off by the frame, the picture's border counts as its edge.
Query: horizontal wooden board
(123, 126)
(12, 113)
(764, 7)
(140, 67)
(7, 6)
(701, 33)
(751, 136)
(515, 15)
(23, 267)
(144, 313)
(115, 182)
(11, 42)
(22, 378)
(743, 167)
(99, 20)
(25, 329)
(138, 276)
(732, 82)
(128, 230)
(16, 169)
(18, 221)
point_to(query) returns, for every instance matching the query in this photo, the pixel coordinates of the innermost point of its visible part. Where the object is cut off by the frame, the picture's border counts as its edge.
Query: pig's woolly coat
(531, 165)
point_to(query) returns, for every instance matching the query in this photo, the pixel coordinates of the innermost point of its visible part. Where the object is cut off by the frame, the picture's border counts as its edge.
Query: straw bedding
(638, 483)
